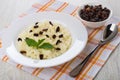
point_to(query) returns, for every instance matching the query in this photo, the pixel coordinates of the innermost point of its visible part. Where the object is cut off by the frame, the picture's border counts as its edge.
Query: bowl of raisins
(94, 14)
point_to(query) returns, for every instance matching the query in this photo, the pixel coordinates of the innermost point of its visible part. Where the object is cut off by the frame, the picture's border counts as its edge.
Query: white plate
(76, 28)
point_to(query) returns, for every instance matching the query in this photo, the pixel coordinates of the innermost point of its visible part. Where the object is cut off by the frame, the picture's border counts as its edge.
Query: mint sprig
(46, 46)
(32, 43)
(39, 42)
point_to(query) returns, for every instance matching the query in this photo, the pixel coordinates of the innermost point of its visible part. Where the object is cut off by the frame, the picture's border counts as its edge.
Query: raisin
(60, 36)
(26, 38)
(54, 36)
(58, 41)
(58, 49)
(36, 26)
(47, 36)
(50, 23)
(58, 29)
(88, 9)
(19, 39)
(36, 34)
(23, 52)
(86, 6)
(40, 32)
(45, 30)
(30, 31)
(36, 23)
(41, 56)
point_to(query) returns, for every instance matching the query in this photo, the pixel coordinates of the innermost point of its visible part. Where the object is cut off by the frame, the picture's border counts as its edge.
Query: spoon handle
(80, 66)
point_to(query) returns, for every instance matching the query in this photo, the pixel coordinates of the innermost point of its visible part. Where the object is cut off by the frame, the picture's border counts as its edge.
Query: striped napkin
(61, 72)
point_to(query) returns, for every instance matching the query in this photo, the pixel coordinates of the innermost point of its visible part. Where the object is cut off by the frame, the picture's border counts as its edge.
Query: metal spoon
(110, 32)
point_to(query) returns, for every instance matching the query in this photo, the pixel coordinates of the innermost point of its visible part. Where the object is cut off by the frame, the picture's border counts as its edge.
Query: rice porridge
(44, 40)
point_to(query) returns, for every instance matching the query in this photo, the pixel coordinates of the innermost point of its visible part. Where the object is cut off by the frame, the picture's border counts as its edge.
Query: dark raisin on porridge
(50, 23)
(40, 32)
(58, 41)
(26, 38)
(54, 36)
(36, 23)
(23, 52)
(41, 56)
(58, 49)
(60, 36)
(30, 31)
(36, 26)
(58, 29)
(36, 34)
(45, 30)
(19, 39)
(47, 36)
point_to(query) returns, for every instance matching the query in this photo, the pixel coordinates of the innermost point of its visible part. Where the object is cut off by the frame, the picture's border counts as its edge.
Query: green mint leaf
(46, 46)
(40, 41)
(31, 42)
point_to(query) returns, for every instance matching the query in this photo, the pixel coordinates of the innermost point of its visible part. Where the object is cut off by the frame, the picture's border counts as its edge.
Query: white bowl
(76, 28)
(95, 24)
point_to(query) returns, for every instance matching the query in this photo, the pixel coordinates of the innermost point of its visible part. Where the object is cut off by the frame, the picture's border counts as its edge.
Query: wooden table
(10, 9)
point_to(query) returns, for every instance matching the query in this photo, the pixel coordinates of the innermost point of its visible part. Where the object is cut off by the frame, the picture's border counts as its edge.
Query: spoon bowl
(110, 32)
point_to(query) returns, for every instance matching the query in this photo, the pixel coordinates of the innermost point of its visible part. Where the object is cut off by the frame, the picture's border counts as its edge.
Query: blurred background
(9, 10)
